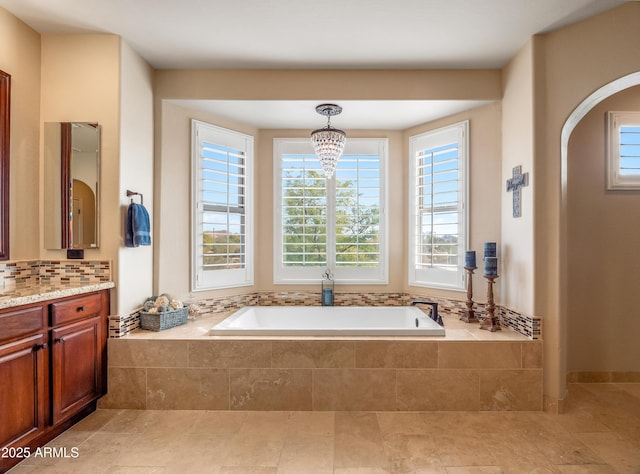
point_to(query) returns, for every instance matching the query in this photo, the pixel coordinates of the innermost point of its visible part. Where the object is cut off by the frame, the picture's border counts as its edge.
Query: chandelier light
(328, 142)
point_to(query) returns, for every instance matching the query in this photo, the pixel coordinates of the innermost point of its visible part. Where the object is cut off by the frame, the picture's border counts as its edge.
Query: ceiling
(309, 34)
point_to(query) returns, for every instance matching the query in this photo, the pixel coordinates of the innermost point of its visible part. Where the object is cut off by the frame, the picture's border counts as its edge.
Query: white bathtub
(328, 321)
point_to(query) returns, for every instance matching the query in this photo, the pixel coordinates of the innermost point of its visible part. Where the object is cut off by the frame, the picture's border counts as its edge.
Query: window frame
(615, 180)
(437, 277)
(202, 280)
(377, 275)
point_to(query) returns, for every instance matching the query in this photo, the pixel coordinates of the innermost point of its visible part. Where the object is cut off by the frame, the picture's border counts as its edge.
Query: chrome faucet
(434, 310)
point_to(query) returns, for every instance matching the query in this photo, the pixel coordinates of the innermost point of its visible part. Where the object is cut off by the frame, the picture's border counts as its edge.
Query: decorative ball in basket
(162, 312)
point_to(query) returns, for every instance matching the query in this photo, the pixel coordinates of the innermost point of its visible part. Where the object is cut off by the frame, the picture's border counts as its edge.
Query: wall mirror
(71, 185)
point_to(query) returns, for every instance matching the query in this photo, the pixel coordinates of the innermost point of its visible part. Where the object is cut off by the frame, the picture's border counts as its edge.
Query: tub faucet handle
(434, 310)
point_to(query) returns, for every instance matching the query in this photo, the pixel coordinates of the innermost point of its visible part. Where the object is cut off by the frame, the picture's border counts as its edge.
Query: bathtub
(328, 321)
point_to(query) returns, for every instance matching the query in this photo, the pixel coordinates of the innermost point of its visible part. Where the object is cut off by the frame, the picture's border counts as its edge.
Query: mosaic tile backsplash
(35, 272)
(526, 325)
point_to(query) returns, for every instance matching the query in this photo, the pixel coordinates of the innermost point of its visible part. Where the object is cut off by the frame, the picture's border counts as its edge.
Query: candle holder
(469, 315)
(491, 321)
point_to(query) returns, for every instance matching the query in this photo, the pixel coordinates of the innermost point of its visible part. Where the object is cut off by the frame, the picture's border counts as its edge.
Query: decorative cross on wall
(514, 184)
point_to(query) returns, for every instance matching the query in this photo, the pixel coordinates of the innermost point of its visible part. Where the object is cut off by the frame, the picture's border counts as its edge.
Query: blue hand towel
(138, 231)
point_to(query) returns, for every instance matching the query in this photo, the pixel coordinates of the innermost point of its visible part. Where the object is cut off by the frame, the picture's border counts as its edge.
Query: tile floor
(600, 433)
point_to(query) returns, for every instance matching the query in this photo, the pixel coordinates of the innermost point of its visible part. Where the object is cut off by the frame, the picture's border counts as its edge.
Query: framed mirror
(5, 99)
(71, 187)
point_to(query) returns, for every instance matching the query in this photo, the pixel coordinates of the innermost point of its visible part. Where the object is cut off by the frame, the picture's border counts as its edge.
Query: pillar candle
(491, 266)
(489, 249)
(327, 297)
(470, 259)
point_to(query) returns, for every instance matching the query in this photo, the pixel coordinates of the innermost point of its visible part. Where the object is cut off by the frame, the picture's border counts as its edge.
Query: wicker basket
(164, 320)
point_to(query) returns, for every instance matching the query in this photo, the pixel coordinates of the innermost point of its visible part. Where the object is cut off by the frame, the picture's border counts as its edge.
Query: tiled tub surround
(184, 368)
(529, 326)
(32, 281)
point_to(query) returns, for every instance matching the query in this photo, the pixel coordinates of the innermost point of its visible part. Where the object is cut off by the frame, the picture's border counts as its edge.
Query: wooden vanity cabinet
(23, 380)
(53, 365)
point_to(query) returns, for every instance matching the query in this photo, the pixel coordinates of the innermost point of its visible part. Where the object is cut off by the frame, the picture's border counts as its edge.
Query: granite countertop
(20, 295)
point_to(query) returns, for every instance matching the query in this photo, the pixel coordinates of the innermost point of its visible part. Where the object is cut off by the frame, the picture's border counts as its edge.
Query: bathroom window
(623, 154)
(222, 207)
(437, 203)
(337, 223)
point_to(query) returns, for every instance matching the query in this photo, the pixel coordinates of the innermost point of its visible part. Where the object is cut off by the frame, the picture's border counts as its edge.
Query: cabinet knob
(38, 347)
(58, 339)
(80, 309)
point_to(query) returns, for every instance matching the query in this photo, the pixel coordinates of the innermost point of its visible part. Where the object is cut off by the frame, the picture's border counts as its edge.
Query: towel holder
(133, 193)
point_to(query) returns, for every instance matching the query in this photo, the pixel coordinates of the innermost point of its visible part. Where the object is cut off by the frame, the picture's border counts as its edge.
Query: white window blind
(438, 220)
(304, 212)
(336, 223)
(222, 240)
(623, 156)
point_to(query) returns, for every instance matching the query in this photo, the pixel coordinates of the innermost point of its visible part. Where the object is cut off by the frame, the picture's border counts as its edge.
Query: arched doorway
(596, 322)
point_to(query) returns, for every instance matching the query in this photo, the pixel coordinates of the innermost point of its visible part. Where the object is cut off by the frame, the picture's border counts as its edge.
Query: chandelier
(328, 142)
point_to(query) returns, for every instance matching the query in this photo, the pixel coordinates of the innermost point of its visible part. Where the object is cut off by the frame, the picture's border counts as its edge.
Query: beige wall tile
(313, 354)
(481, 354)
(532, 355)
(396, 354)
(625, 377)
(270, 389)
(187, 389)
(147, 353)
(354, 389)
(519, 390)
(429, 390)
(230, 354)
(126, 388)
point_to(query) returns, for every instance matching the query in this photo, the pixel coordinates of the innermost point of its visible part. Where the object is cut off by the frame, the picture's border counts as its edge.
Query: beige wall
(134, 266)
(470, 84)
(77, 78)
(172, 220)
(484, 191)
(80, 83)
(516, 249)
(20, 57)
(173, 148)
(604, 252)
(578, 60)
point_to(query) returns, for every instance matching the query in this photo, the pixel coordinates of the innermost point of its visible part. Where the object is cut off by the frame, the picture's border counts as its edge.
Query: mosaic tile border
(34, 272)
(529, 326)
(121, 325)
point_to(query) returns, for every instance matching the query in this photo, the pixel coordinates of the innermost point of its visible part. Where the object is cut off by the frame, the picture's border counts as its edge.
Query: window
(222, 207)
(623, 157)
(438, 214)
(337, 223)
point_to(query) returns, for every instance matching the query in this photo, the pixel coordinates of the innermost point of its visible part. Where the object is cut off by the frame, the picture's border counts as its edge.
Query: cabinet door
(77, 355)
(23, 379)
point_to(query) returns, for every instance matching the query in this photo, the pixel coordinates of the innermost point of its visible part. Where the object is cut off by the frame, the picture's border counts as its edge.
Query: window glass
(438, 230)
(336, 223)
(222, 207)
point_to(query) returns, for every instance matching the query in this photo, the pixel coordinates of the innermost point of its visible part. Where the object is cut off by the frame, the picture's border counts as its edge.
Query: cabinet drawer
(21, 322)
(75, 309)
